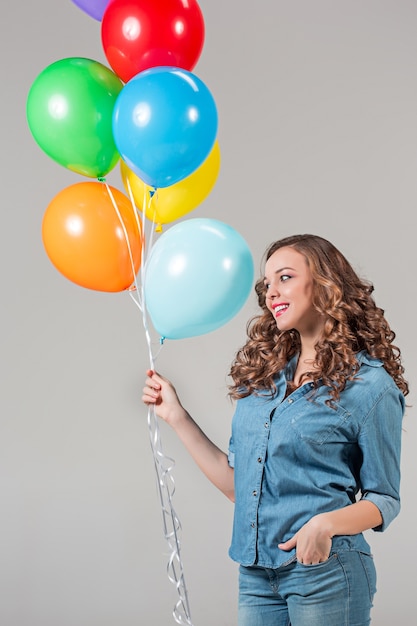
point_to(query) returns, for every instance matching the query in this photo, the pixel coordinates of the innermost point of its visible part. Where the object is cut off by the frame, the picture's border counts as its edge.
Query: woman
(314, 456)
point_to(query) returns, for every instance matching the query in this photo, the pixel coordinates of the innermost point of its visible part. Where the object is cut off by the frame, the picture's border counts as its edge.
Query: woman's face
(289, 293)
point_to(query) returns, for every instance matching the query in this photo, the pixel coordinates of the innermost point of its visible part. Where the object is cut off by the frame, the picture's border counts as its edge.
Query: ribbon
(163, 464)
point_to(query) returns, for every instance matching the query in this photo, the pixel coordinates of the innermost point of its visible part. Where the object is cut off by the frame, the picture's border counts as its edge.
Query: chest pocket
(313, 421)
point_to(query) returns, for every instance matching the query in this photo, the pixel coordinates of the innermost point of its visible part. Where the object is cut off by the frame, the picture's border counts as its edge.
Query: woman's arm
(352, 519)
(314, 540)
(160, 392)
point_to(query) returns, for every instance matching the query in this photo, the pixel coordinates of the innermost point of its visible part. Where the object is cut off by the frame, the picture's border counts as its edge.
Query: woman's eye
(284, 277)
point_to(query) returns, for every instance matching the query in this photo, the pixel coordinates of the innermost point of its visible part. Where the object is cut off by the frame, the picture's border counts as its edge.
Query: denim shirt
(296, 457)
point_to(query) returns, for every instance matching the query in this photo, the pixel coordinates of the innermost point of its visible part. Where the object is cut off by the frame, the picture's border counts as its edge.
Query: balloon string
(171, 523)
(163, 464)
(122, 224)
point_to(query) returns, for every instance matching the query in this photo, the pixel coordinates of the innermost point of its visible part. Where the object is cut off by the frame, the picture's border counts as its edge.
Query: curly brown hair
(353, 322)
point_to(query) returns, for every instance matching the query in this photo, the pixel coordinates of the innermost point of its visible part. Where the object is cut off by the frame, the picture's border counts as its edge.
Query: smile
(279, 309)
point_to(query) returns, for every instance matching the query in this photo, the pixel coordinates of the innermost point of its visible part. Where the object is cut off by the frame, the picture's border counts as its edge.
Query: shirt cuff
(389, 508)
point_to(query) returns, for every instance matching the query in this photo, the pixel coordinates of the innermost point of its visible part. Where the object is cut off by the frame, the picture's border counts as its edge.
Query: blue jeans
(338, 592)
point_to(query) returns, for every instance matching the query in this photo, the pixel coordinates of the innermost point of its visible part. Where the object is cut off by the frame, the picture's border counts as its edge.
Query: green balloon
(69, 112)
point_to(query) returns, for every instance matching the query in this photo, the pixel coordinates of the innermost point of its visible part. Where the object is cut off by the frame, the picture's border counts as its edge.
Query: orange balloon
(85, 239)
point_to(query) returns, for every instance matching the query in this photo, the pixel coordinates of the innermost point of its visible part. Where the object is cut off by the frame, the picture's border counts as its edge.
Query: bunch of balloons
(149, 113)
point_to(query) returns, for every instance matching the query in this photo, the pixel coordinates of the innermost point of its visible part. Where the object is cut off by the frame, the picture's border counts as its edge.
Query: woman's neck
(305, 365)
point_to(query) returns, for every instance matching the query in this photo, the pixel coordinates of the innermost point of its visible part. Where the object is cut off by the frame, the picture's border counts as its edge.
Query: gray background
(317, 103)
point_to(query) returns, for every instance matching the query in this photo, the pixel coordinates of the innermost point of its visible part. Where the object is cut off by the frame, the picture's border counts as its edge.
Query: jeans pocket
(321, 565)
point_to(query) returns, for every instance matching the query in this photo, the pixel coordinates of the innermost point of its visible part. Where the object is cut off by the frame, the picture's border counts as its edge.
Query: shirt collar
(363, 357)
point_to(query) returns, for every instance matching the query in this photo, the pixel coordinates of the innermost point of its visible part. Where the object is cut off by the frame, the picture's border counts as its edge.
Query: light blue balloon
(164, 124)
(198, 275)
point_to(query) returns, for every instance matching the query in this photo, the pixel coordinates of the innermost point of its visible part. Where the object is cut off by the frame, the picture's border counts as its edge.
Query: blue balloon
(164, 124)
(198, 275)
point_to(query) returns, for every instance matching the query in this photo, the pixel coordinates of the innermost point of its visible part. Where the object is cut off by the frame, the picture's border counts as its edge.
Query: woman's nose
(272, 292)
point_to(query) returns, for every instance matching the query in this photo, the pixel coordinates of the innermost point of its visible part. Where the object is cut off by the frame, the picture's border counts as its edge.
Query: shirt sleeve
(231, 453)
(380, 442)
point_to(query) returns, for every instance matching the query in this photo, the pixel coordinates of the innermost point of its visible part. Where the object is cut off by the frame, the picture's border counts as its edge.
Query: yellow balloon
(170, 203)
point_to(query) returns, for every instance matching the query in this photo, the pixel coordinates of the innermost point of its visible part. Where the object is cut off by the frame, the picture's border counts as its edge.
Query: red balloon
(140, 34)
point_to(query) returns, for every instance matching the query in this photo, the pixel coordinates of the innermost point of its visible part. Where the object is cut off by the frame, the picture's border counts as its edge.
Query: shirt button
(259, 459)
(253, 525)
(290, 400)
(254, 493)
(266, 424)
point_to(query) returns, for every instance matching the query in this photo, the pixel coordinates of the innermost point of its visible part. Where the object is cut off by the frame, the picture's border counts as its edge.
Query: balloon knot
(158, 228)
(101, 179)
(161, 340)
(152, 192)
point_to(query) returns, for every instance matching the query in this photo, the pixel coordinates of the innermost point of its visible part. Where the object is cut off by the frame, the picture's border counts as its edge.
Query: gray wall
(318, 131)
